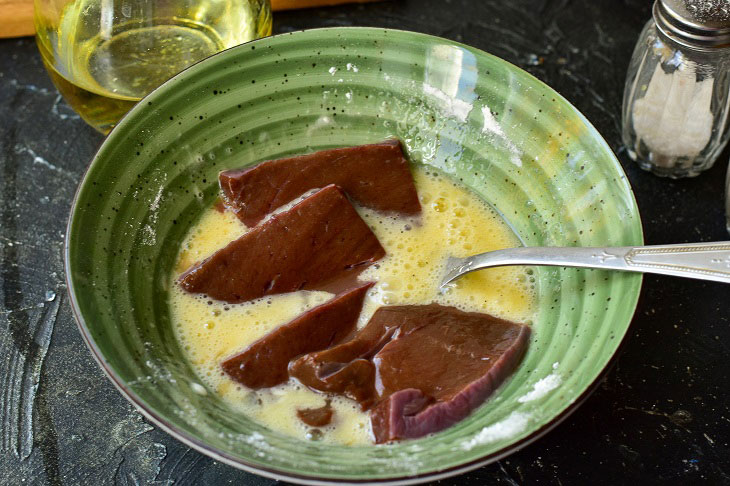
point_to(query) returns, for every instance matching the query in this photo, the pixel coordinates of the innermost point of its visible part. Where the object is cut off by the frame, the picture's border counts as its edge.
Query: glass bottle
(105, 55)
(677, 93)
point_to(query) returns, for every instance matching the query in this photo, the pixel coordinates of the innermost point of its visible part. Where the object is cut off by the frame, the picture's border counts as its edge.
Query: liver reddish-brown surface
(423, 368)
(320, 240)
(376, 176)
(316, 417)
(264, 363)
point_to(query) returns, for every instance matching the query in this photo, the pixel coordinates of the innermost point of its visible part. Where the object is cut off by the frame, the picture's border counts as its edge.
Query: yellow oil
(454, 222)
(104, 56)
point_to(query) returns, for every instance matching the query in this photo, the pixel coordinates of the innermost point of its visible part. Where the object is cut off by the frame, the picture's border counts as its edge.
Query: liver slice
(376, 176)
(320, 240)
(347, 369)
(423, 367)
(316, 417)
(264, 363)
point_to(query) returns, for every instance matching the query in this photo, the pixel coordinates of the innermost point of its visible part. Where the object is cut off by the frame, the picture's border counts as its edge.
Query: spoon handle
(704, 261)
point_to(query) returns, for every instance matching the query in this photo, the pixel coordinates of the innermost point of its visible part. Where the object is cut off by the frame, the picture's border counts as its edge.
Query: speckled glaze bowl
(506, 135)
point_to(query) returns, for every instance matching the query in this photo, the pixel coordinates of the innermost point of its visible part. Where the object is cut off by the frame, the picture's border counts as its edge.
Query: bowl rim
(274, 473)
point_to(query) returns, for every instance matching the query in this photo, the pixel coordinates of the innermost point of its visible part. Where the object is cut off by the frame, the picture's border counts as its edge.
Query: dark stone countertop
(661, 415)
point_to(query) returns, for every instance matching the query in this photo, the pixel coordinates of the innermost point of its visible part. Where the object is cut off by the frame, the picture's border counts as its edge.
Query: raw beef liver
(320, 240)
(347, 369)
(423, 368)
(264, 363)
(316, 417)
(376, 176)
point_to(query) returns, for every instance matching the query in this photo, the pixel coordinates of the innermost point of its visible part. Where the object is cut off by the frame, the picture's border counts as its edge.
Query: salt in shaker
(677, 94)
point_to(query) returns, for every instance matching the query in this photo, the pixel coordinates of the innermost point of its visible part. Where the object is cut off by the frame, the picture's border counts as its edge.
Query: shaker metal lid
(694, 23)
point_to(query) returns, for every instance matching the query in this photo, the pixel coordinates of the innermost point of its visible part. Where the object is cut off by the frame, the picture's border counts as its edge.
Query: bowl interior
(509, 137)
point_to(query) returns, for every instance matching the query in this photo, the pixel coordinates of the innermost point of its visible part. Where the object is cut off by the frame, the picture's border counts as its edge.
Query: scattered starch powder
(492, 126)
(148, 233)
(259, 442)
(453, 107)
(509, 427)
(541, 388)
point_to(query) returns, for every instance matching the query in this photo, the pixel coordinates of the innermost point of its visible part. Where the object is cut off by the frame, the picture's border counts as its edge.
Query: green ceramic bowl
(505, 134)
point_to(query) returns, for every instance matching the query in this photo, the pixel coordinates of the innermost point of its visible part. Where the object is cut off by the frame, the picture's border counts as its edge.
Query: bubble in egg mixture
(454, 222)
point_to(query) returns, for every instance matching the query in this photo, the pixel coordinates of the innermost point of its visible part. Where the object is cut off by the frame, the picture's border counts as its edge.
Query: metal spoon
(704, 261)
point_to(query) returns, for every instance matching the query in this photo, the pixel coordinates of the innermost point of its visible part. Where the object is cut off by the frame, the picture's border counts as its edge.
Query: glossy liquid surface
(105, 56)
(454, 222)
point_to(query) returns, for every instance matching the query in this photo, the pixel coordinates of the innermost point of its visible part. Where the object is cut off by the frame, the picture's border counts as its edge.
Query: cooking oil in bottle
(105, 55)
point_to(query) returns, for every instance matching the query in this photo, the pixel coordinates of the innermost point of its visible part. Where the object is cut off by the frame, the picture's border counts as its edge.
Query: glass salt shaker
(677, 94)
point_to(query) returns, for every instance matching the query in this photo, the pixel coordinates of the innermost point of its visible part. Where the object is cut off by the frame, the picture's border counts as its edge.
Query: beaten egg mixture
(454, 222)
